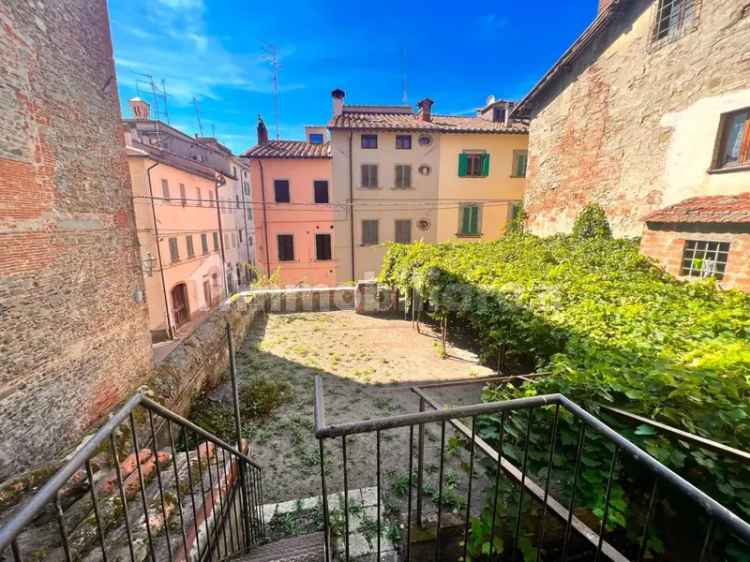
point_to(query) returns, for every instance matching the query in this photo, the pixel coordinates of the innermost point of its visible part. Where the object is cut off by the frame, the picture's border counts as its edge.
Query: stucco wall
(633, 127)
(176, 221)
(301, 217)
(494, 193)
(386, 204)
(73, 335)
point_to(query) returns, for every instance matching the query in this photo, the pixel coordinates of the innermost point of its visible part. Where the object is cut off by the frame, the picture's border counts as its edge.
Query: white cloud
(169, 39)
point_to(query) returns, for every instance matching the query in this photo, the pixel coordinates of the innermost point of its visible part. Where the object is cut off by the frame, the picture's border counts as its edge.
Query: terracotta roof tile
(383, 118)
(707, 209)
(289, 149)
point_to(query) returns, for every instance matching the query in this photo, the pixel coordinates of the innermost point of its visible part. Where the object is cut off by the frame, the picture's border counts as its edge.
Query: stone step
(306, 548)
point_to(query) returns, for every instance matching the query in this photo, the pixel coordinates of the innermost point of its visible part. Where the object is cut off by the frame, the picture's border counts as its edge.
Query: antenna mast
(404, 94)
(272, 56)
(198, 115)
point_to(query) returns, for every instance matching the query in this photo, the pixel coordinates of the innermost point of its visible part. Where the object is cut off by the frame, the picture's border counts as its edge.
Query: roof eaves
(597, 26)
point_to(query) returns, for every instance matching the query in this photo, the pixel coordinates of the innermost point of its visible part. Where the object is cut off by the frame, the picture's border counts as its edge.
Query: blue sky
(215, 51)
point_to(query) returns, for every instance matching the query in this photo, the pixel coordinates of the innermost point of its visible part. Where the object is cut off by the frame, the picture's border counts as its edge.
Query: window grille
(704, 259)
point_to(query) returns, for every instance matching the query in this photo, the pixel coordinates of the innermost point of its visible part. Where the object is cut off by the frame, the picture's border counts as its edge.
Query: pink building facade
(294, 219)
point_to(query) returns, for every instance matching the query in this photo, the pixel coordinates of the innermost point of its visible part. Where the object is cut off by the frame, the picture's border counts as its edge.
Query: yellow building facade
(482, 179)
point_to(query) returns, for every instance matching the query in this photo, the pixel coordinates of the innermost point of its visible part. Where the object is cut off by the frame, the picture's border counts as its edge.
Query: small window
(246, 187)
(733, 140)
(369, 232)
(316, 138)
(322, 247)
(165, 190)
(704, 259)
(281, 191)
(369, 141)
(403, 231)
(498, 115)
(403, 142)
(234, 171)
(369, 175)
(320, 188)
(174, 252)
(473, 165)
(198, 197)
(425, 140)
(403, 176)
(183, 195)
(237, 199)
(469, 220)
(190, 248)
(520, 161)
(239, 232)
(204, 243)
(216, 241)
(673, 17)
(249, 213)
(210, 197)
(516, 208)
(286, 247)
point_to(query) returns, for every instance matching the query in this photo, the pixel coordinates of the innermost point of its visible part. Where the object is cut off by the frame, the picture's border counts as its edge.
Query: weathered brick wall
(631, 126)
(73, 340)
(665, 243)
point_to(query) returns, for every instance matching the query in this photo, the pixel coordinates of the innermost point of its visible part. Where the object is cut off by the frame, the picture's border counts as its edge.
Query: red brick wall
(665, 244)
(73, 340)
(616, 127)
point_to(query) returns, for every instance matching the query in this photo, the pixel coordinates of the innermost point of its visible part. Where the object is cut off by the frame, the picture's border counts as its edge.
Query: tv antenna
(272, 57)
(404, 94)
(198, 115)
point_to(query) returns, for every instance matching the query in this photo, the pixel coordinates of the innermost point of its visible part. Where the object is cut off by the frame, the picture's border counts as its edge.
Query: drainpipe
(351, 200)
(219, 182)
(265, 217)
(170, 330)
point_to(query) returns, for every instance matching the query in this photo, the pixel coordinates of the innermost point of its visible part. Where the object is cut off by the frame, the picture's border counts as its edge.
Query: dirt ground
(367, 365)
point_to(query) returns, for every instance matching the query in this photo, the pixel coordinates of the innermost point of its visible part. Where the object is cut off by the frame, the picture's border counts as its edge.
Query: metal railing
(718, 518)
(149, 484)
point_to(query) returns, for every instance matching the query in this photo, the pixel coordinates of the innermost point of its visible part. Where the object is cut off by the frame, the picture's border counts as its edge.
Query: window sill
(369, 245)
(461, 235)
(410, 188)
(518, 177)
(369, 188)
(473, 177)
(730, 169)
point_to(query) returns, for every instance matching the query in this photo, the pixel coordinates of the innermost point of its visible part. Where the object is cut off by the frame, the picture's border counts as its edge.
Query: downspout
(265, 217)
(221, 239)
(170, 331)
(351, 200)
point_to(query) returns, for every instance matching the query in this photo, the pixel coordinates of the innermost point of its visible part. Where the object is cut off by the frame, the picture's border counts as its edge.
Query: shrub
(592, 223)
(610, 328)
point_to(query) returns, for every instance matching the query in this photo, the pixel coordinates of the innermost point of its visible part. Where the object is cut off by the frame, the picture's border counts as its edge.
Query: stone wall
(73, 335)
(632, 125)
(665, 244)
(201, 360)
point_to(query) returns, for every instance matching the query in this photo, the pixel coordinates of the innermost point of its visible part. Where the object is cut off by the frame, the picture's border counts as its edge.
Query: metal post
(238, 432)
(420, 465)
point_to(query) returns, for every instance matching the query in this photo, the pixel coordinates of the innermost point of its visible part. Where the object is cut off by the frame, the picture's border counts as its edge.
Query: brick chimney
(338, 101)
(262, 131)
(425, 109)
(139, 108)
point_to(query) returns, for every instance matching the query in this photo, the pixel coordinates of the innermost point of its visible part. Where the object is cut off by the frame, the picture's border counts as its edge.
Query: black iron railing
(539, 496)
(148, 485)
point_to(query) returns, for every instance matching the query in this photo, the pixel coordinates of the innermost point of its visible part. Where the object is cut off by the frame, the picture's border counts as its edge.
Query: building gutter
(219, 183)
(351, 209)
(265, 217)
(170, 330)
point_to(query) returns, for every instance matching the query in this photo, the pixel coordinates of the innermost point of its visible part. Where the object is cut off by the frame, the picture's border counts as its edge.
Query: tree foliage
(592, 223)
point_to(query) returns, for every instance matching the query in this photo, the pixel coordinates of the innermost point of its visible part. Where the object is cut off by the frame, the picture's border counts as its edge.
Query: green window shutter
(463, 165)
(485, 165)
(474, 224)
(465, 220)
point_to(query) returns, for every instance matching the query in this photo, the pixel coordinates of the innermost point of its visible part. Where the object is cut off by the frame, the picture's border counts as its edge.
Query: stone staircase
(306, 548)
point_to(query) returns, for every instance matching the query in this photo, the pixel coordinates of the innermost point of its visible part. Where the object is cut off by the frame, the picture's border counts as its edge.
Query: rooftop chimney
(139, 108)
(425, 109)
(338, 101)
(262, 131)
(490, 100)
